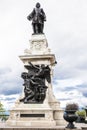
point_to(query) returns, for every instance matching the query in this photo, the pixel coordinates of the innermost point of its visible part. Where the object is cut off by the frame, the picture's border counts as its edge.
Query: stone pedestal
(48, 113)
(31, 115)
(73, 129)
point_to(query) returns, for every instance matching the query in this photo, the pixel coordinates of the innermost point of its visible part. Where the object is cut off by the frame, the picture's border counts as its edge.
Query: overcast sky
(66, 33)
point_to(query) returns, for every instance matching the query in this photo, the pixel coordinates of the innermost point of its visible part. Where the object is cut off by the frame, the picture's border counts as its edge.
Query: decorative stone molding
(38, 45)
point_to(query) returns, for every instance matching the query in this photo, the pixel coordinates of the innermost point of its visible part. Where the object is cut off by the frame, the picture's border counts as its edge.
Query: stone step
(56, 128)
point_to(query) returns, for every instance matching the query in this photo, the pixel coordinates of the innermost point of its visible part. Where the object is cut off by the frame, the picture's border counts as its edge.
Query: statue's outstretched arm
(34, 66)
(31, 15)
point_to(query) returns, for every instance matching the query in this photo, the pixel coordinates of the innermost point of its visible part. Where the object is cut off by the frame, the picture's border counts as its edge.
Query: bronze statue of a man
(38, 17)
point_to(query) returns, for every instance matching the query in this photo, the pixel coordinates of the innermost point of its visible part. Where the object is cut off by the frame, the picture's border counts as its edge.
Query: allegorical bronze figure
(34, 83)
(38, 17)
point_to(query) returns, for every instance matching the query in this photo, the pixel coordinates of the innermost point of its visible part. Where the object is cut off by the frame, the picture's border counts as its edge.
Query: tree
(82, 115)
(2, 111)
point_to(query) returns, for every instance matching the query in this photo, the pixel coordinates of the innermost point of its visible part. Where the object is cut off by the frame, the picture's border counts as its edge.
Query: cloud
(70, 90)
(72, 96)
(4, 70)
(10, 82)
(83, 89)
(8, 100)
(67, 83)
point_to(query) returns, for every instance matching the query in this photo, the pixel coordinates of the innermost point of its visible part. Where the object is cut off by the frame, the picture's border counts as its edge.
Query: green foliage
(2, 112)
(1, 107)
(81, 113)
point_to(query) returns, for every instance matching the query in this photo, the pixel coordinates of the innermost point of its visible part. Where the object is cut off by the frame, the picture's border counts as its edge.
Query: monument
(37, 106)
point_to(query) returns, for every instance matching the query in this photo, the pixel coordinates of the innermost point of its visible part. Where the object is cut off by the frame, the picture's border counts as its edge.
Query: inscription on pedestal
(32, 115)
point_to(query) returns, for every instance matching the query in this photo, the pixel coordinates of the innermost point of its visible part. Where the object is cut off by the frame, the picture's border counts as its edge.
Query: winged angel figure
(34, 83)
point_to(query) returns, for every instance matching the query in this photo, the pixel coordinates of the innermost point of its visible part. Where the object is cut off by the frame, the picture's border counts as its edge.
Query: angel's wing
(47, 74)
(32, 69)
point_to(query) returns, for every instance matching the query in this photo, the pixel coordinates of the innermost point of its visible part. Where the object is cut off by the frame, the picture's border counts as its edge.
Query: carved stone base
(32, 123)
(38, 45)
(31, 115)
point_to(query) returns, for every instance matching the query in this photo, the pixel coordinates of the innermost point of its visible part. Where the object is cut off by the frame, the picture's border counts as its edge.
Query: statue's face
(38, 5)
(42, 66)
